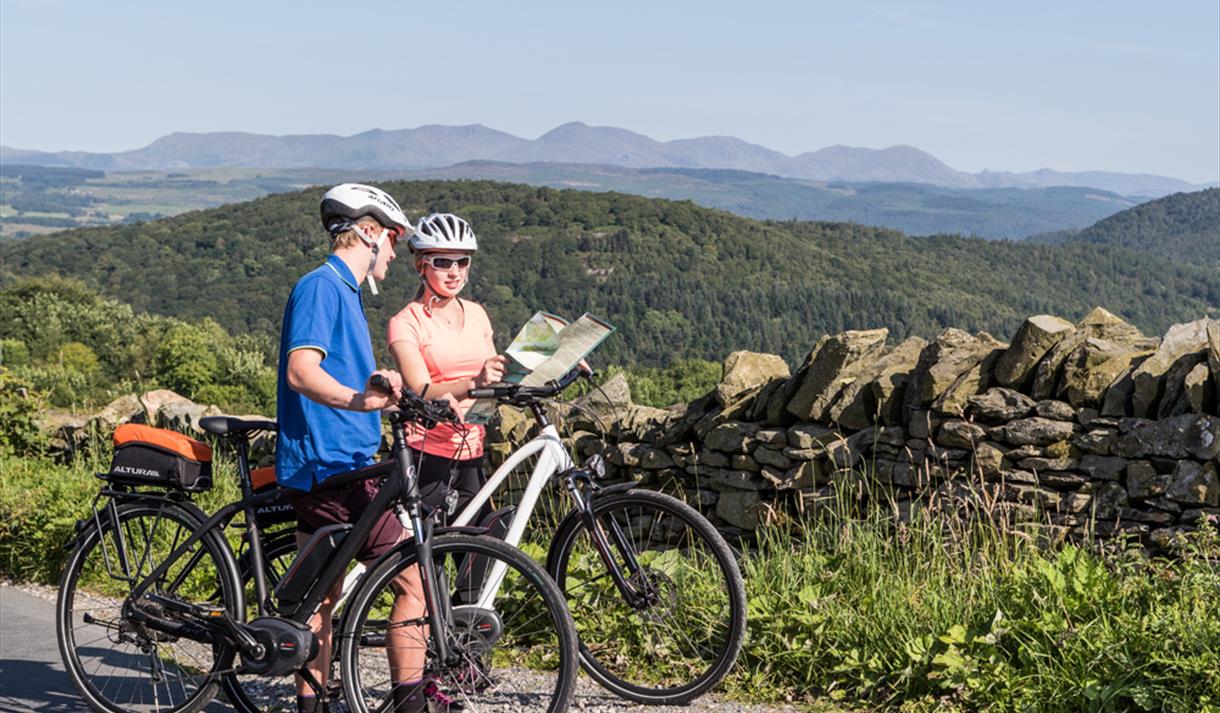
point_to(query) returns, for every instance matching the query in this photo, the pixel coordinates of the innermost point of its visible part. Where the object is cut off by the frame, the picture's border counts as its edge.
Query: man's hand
(375, 399)
(491, 373)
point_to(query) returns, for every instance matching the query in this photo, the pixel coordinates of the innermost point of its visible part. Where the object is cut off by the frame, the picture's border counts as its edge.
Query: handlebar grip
(381, 383)
(481, 393)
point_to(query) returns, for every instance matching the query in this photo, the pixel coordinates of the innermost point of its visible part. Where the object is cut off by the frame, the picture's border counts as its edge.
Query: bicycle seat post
(241, 443)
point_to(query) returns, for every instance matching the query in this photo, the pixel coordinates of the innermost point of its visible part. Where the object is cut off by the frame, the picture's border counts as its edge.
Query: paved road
(32, 677)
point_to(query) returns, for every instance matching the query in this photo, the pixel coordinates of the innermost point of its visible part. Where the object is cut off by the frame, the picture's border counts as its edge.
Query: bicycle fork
(606, 539)
(429, 575)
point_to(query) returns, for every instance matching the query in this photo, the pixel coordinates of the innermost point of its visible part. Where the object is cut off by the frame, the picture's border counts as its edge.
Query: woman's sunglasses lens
(444, 263)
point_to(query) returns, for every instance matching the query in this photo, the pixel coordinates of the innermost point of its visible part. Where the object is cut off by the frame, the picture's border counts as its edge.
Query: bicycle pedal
(209, 611)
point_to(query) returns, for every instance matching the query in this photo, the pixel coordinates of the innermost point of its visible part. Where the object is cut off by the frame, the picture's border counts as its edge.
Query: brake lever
(443, 410)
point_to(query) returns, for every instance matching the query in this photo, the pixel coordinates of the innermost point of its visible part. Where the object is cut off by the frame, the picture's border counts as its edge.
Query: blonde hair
(351, 237)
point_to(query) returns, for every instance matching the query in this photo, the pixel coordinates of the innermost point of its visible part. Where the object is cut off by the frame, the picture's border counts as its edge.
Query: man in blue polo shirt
(329, 420)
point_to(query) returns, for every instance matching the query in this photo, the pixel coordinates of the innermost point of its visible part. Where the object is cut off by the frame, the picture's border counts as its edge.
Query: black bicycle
(151, 613)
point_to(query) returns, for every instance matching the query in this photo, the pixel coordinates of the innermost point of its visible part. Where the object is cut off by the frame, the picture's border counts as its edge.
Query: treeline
(677, 280)
(48, 176)
(62, 340)
(76, 349)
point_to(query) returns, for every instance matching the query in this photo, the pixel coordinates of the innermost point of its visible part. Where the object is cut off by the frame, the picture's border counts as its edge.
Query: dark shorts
(439, 475)
(345, 506)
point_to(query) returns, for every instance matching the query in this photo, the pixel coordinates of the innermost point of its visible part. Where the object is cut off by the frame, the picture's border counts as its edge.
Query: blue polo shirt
(325, 312)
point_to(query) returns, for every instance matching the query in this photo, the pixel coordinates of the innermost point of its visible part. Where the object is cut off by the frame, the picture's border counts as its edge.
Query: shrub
(940, 614)
(20, 404)
(14, 353)
(186, 361)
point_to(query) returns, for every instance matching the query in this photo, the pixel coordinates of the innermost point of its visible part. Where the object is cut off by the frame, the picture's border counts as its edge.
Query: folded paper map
(545, 348)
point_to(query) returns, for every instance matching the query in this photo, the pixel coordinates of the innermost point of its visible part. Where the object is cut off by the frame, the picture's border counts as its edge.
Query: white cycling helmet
(347, 203)
(443, 231)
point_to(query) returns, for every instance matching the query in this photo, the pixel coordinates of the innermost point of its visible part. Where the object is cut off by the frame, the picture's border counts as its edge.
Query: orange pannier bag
(144, 455)
(262, 480)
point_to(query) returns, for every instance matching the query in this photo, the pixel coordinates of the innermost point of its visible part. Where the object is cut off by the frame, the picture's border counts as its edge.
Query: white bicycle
(655, 591)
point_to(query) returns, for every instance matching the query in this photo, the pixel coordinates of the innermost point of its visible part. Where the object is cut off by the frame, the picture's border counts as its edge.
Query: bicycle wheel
(518, 656)
(123, 666)
(683, 635)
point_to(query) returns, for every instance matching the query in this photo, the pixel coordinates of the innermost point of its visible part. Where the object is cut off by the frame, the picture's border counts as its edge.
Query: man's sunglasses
(444, 263)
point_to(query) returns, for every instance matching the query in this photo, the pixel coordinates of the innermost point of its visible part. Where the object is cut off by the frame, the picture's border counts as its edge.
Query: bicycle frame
(398, 465)
(552, 458)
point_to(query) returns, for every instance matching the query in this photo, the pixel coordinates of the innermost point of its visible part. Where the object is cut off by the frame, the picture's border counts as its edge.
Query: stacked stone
(73, 436)
(1082, 425)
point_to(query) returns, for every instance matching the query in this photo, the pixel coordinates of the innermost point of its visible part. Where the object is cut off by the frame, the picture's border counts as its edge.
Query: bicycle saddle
(231, 425)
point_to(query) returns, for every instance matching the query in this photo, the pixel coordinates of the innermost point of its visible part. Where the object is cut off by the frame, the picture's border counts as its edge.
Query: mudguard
(572, 518)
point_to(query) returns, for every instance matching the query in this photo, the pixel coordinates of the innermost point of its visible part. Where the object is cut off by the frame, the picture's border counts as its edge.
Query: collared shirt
(325, 312)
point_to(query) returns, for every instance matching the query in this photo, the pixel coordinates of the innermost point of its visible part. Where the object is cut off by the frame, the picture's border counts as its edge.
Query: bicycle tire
(521, 657)
(95, 636)
(698, 594)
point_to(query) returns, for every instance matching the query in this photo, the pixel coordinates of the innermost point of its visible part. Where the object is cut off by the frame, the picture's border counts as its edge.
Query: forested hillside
(678, 280)
(1183, 226)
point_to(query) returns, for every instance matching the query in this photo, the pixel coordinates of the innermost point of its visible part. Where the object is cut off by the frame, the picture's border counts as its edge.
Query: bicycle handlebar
(428, 411)
(525, 395)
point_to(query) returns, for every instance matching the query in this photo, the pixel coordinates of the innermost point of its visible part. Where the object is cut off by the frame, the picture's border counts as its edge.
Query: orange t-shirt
(451, 355)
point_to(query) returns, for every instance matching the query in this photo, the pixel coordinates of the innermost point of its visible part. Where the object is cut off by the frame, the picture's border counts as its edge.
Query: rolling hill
(1183, 226)
(913, 208)
(678, 280)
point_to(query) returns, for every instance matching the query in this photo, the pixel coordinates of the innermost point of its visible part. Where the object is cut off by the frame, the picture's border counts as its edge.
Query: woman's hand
(491, 373)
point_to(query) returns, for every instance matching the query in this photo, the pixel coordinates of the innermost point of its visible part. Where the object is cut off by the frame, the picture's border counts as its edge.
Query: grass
(963, 612)
(953, 610)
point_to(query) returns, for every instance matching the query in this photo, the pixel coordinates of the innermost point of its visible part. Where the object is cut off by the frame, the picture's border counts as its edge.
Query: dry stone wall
(1089, 426)
(1086, 427)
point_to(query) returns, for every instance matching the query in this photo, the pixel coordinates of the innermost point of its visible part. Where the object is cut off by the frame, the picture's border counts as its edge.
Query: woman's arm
(415, 373)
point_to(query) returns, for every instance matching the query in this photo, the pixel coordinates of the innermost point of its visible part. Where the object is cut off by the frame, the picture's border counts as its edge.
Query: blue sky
(1120, 86)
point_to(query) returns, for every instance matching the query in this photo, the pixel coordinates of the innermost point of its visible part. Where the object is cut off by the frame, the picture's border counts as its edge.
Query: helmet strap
(430, 296)
(375, 246)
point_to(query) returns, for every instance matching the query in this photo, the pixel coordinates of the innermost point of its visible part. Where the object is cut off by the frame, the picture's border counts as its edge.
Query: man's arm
(306, 376)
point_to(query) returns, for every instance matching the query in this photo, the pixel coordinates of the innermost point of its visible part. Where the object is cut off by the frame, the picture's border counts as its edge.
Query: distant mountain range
(913, 208)
(437, 146)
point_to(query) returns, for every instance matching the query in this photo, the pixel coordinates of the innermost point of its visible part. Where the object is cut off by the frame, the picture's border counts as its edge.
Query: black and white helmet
(346, 203)
(443, 231)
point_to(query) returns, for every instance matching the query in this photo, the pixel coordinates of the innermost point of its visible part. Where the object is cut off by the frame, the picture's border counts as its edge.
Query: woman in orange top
(443, 347)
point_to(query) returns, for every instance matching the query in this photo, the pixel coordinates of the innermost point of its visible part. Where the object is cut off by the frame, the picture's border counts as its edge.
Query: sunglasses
(444, 263)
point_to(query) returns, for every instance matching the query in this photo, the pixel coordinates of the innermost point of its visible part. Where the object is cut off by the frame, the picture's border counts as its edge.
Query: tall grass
(960, 611)
(41, 502)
